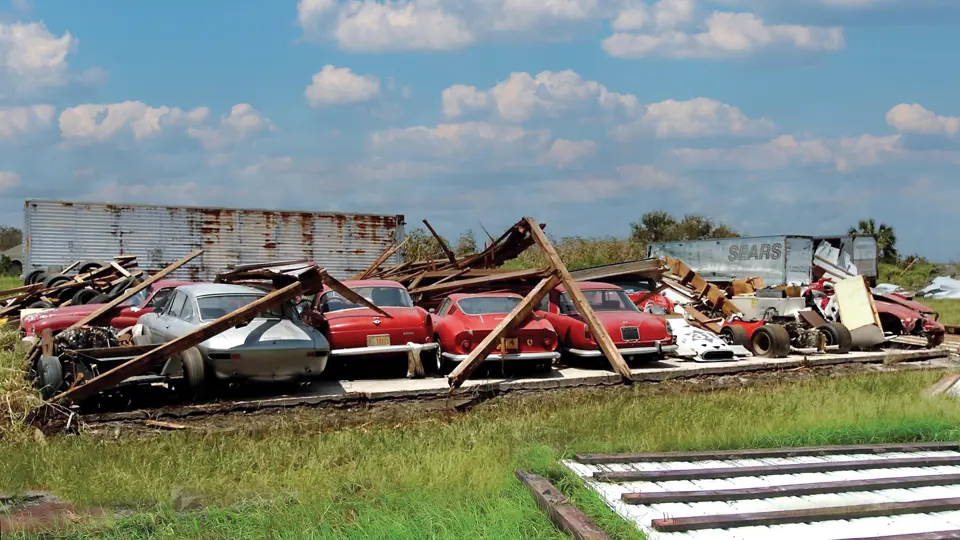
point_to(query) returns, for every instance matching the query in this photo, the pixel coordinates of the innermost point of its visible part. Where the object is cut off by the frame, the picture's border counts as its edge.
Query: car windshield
(378, 296)
(638, 286)
(602, 300)
(487, 305)
(137, 299)
(216, 306)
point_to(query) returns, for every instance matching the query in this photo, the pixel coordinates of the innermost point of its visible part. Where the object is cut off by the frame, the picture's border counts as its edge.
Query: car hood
(365, 317)
(909, 304)
(263, 332)
(69, 311)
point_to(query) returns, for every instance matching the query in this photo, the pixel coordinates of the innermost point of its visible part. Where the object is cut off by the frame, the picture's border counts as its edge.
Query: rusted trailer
(57, 233)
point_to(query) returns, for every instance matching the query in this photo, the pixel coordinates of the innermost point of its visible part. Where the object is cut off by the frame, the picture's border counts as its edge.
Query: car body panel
(535, 340)
(653, 334)
(361, 331)
(58, 319)
(266, 349)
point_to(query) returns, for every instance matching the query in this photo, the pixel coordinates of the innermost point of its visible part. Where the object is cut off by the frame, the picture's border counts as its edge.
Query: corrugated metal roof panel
(61, 232)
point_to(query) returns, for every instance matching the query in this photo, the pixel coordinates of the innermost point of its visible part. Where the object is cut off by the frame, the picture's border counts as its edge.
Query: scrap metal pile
(93, 282)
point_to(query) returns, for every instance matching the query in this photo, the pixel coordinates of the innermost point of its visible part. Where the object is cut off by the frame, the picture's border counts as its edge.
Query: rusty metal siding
(58, 233)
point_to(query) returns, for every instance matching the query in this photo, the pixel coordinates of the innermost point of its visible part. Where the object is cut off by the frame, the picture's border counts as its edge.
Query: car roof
(460, 296)
(164, 283)
(206, 289)
(371, 283)
(591, 286)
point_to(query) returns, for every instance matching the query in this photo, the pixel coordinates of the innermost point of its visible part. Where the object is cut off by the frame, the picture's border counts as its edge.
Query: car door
(168, 316)
(182, 321)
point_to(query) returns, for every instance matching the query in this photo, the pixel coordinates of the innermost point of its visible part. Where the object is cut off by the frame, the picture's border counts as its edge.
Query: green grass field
(449, 478)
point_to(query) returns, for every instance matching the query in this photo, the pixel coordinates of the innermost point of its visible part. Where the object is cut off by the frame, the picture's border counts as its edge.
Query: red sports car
(126, 315)
(635, 333)
(356, 330)
(463, 320)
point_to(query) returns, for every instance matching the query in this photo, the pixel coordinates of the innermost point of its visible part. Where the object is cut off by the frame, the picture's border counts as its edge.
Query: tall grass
(432, 478)
(579, 253)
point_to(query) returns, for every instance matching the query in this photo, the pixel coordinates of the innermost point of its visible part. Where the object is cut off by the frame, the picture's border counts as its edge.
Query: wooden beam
(511, 322)
(583, 307)
(769, 470)
(790, 490)
(120, 269)
(937, 535)
(387, 253)
(507, 276)
(138, 365)
(810, 515)
(350, 295)
(564, 515)
(443, 245)
(129, 293)
(70, 267)
(765, 453)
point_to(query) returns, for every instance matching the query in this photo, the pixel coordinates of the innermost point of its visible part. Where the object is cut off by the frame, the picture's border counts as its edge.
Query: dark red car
(463, 320)
(635, 333)
(126, 314)
(356, 330)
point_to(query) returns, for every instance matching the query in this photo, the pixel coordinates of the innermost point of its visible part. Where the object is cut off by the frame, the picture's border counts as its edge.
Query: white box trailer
(779, 260)
(56, 233)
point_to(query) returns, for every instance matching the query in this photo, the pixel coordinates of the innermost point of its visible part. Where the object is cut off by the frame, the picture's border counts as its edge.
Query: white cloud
(916, 119)
(31, 57)
(725, 35)
(369, 26)
(462, 140)
(564, 153)
(525, 14)
(101, 122)
(843, 154)
(8, 180)
(549, 93)
(337, 86)
(15, 121)
(699, 117)
(242, 121)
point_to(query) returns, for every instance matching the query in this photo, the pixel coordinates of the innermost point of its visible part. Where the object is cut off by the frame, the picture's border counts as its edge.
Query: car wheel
(444, 366)
(84, 296)
(194, 374)
(735, 334)
(50, 376)
(837, 334)
(40, 304)
(771, 341)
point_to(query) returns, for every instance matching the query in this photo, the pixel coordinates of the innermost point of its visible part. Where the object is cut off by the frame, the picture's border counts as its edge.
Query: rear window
(487, 305)
(214, 307)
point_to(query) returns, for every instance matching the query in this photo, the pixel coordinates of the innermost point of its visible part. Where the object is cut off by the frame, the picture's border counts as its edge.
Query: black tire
(90, 266)
(49, 375)
(445, 365)
(734, 334)
(55, 279)
(837, 334)
(84, 296)
(771, 341)
(194, 374)
(100, 299)
(40, 304)
(119, 288)
(31, 277)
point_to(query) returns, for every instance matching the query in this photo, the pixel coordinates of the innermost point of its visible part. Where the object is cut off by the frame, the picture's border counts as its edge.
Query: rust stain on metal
(270, 245)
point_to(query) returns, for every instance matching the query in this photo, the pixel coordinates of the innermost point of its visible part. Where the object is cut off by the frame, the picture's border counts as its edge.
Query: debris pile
(79, 283)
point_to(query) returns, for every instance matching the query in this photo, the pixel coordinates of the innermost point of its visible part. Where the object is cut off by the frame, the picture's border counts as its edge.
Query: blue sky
(772, 116)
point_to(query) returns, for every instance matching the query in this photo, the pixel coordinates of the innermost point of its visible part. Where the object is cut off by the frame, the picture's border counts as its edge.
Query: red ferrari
(463, 320)
(637, 334)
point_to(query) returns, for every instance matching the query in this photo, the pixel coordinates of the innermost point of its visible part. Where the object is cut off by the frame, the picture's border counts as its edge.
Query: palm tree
(885, 235)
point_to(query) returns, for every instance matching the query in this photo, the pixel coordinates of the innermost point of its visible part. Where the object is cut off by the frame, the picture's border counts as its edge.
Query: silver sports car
(275, 346)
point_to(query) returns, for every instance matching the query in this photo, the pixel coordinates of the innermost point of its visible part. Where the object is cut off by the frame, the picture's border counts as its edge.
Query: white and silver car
(274, 346)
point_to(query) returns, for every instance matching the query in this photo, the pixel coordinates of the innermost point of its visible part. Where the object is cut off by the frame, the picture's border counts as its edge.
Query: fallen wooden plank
(348, 293)
(143, 362)
(764, 470)
(164, 425)
(564, 515)
(381, 259)
(129, 293)
(829, 513)
(512, 321)
(443, 245)
(123, 271)
(790, 490)
(517, 274)
(764, 453)
(596, 327)
(937, 535)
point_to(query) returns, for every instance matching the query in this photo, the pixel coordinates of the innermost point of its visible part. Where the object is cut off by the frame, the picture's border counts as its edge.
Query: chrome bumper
(522, 357)
(383, 349)
(626, 351)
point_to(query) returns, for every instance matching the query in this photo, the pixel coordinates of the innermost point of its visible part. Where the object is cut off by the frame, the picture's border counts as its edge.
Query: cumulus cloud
(32, 58)
(242, 121)
(338, 86)
(564, 153)
(459, 138)
(699, 117)
(916, 119)
(843, 154)
(9, 180)
(668, 28)
(90, 122)
(18, 121)
(523, 96)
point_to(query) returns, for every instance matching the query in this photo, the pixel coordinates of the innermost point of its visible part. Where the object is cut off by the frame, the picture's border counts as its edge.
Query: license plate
(510, 343)
(378, 340)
